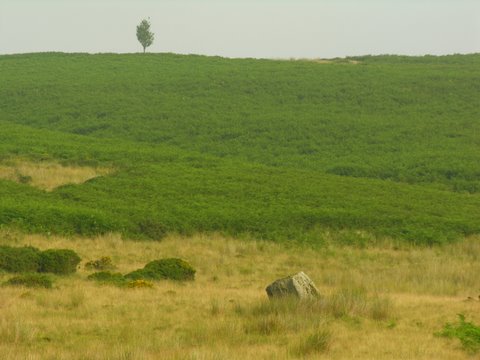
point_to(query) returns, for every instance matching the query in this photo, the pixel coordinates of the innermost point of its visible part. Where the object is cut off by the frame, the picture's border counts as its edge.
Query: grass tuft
(317, 342)
(266, 325)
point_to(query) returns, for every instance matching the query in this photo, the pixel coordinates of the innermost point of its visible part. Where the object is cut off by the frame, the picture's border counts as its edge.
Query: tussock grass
(47, 175)
(365, 311)
(317, 342)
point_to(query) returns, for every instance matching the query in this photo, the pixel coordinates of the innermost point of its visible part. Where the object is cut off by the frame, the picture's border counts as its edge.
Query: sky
(244, 28)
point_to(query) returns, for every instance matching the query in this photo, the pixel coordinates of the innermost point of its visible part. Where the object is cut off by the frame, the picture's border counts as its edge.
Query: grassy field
(383, 302)
(278, 150)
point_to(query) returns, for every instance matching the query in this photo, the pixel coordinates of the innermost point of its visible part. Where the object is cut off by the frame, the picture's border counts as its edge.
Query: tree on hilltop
(144, 35)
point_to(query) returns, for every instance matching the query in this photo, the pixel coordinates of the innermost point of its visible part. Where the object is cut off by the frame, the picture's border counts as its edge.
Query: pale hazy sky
(235, 28)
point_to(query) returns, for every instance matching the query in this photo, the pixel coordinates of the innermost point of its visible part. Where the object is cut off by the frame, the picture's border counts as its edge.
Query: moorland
(363, 172)
(277, 150)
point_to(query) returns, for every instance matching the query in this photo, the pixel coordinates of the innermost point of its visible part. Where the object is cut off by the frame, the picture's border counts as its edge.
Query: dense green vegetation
(467, 332)
(275, 149)
(59, 261)
(16, 260)
(162, 269)
(172, 268)
(29, 260)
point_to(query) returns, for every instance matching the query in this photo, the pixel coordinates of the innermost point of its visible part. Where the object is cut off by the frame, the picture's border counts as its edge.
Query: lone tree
(144, 35)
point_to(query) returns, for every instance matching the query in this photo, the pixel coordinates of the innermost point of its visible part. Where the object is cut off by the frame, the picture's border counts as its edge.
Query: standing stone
(298, 285)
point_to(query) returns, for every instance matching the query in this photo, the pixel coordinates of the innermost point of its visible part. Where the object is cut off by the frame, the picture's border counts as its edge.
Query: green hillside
(275, 149)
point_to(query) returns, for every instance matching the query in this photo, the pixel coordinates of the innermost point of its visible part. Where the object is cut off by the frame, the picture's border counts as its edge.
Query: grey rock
(299, 285)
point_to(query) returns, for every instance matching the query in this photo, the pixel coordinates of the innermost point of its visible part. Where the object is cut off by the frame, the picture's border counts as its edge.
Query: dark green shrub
(104, 263)
(24, 179)
(152, 230)
(30, 259)
(30, 280)
(23, 259)
(467, 332)
(107, 277)
(174, 269)
(59, 261)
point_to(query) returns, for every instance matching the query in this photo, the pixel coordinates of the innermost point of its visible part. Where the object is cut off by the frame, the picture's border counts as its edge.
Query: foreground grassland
(385, 302)
(277, 150)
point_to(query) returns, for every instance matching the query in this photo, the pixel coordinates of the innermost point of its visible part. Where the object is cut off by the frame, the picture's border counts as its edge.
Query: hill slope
(277, 149)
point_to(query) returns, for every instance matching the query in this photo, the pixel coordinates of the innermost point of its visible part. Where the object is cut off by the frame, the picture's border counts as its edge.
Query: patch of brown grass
(47, 175)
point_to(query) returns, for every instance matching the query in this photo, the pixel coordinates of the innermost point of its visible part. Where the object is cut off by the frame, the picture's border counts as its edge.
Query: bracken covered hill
(281, 150)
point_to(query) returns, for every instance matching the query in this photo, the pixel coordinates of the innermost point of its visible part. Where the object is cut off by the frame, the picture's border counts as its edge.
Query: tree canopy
(144, 35)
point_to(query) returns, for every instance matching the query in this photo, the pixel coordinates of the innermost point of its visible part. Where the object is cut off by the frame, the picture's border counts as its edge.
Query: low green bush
(59, 261)
(152, 229)
(107, 277)
(17, 260)
(173, 269)
(24, 179)
(467, 332)
(32, 280)
(31, 260)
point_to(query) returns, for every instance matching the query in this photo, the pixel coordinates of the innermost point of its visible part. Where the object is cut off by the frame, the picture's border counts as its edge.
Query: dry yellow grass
(47, 175)
(398, 298)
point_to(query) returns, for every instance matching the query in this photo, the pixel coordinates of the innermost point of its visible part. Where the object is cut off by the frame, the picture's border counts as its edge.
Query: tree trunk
(144, 49)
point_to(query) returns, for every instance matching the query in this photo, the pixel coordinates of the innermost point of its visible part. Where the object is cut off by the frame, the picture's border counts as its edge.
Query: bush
(467, 332)
(24, 179)
(152, 230)
(107, 277)
(174, 269)
(59, 261)
(24, 259)
(30, 280)
(104, 263)
(30, 260)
